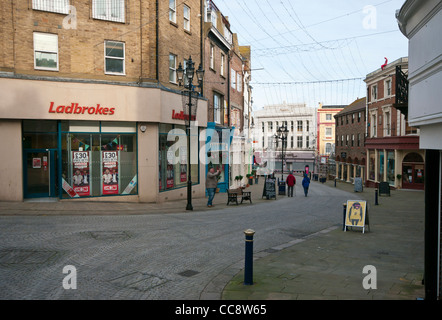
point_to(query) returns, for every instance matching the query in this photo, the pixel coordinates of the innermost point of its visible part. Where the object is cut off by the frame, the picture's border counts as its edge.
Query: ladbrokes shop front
(69, 140)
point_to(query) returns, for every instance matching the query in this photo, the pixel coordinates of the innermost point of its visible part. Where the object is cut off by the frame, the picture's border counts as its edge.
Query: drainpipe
(157, 76)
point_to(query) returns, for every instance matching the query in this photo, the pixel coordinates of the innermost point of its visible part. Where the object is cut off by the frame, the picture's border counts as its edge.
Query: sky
(316, 51)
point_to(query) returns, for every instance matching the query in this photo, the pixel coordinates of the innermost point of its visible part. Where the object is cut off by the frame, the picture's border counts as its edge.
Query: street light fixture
(282, 133)
(190, 105)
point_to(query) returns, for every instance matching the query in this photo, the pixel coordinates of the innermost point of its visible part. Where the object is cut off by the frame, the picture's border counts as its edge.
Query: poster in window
(109, 160)
(80, 169)
(36, 163)
(169, 176)
(183, 164)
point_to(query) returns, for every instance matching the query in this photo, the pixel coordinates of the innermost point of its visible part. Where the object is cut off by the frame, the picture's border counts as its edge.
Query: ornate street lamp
(190, 105)
(282, 133)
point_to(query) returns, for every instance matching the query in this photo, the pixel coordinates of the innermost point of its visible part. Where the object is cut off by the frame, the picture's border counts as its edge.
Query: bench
(233, 194)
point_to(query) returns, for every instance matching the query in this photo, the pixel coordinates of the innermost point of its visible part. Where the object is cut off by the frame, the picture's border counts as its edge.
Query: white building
(300, 122)
(421, 22)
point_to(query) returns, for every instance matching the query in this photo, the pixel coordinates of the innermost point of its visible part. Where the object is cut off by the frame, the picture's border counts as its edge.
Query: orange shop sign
(75, 108)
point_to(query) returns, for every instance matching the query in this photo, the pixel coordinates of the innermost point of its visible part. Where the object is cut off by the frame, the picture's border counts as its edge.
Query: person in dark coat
(211, 184)
(291, 181)
(305, 184)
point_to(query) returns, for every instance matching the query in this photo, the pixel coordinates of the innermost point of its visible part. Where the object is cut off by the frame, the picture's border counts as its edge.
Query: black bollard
(248, 270)
(344, 228)
(376, 197)
(335, 182)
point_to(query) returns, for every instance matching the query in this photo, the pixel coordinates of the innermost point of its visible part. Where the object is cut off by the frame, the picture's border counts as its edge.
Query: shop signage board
(81, 174)
(109, 161)
(384, 188)
(356, 214)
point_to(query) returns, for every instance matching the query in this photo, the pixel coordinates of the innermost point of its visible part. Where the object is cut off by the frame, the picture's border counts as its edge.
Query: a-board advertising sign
(109, 160)
(356, 214)
(269, 188)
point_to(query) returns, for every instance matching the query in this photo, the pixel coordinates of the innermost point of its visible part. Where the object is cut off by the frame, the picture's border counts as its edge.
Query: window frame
(172, 11)
(49, 6)
(51, 52)
(108, 9)
(186, 19)
(123, 73)
(173, 69)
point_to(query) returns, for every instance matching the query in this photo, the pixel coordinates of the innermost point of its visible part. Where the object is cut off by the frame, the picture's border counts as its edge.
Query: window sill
(46, 69)
(173, 24)
(115, 74)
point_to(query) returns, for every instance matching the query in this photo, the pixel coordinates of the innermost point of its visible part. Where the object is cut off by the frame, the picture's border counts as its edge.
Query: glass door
(39, 173)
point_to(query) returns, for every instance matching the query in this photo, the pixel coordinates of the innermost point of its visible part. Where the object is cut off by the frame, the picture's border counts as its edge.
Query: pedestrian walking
(211, 184)
(306, 184)
(291, 181)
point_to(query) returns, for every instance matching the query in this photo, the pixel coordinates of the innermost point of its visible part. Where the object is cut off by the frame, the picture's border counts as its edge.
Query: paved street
(154, 255)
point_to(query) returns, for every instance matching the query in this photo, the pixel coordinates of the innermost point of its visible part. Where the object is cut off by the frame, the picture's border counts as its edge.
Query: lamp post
(282, 133)
(190, 105)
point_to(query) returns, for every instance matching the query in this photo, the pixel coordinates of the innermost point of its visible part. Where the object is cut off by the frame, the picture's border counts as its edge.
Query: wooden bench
(233, 194)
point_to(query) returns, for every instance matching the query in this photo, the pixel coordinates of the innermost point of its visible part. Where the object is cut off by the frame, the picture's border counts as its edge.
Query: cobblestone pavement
(151, 256)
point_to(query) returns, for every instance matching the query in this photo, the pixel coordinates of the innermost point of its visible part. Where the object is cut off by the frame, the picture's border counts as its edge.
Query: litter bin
(281, 187)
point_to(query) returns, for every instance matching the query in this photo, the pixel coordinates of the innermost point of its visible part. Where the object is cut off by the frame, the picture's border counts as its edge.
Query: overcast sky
(314, 51)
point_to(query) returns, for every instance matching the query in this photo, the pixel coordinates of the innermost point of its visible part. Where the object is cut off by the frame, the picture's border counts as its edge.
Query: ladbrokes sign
(75, 108)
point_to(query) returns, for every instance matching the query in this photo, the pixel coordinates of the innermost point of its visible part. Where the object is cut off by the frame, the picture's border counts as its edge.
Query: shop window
(390, 168)
(371, 169)
(380, 166)
(39, 134)
(99, 163)
(172, 157)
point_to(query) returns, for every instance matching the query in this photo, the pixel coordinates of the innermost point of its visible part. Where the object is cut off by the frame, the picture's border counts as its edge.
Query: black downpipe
(157, 72)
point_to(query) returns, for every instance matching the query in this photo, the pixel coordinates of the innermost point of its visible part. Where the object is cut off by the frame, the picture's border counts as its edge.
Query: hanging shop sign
(80, 170)
(75, 108)
(109, 161)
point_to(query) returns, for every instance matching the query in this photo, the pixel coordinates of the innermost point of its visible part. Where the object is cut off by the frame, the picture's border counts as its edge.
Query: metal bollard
(344, 228)
(248, 270)
(376, 197)
(335, 182)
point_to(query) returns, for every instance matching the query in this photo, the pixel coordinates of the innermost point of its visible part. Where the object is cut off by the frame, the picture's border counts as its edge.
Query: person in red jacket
(291, 181)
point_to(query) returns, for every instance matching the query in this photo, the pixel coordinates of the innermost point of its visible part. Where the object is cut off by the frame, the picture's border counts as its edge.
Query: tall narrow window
(374, 92)
(307, 142)
(212, 57)
(387, 123)
(299, 141)
(114, 57)
(388, 88)
(217, 100)
(186, 13)
(172, 68)
(299, 126)
(307, 125)
(112, 10)
(45, 51)
(223, 61)
(172, 11)
(233, 78)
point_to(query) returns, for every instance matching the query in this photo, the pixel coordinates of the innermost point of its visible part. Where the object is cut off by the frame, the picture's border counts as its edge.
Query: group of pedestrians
(291, 181)
(212, 181)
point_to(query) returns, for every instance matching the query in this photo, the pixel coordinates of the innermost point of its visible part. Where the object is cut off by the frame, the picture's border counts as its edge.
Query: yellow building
(325, 141)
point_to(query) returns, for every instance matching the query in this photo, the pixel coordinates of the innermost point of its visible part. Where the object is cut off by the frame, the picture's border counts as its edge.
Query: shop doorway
(413, 173)
(39, 173)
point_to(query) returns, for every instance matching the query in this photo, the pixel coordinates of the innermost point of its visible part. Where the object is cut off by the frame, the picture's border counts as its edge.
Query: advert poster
(356, 214)
(169, 177)
(80, 170)
(183, 165)
(109, 160)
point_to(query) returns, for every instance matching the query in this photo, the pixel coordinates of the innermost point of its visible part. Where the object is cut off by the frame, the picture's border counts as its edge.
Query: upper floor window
(374, 92)
(45, 51)
(388, 88)
(307, 125)
(114, 57)
(112, 10)
(172, 11)
(172, 68)
(59, 6)
(299, 126)
(212, 57)
(223, 63)
(270, 125)
(328, 132)
(233, 78)
(328, 116)
(186, 13)
(239, 83)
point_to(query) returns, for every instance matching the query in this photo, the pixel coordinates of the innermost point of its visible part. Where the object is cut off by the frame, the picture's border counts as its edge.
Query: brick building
(392, 146)
(350, 137)
(95, 81)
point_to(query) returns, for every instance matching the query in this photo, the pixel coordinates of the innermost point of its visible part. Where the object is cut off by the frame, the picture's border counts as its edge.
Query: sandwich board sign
(356, 214)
